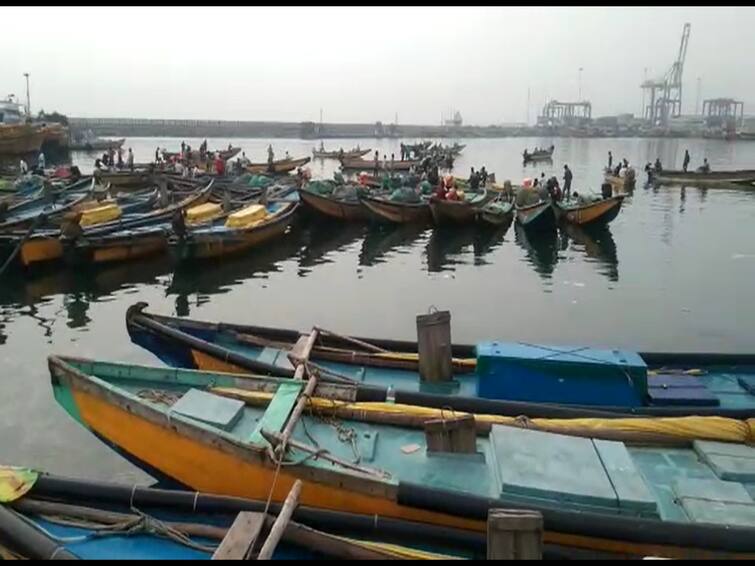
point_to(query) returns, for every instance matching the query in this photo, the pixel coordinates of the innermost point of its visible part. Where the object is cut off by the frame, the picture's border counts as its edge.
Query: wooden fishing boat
(600, 211)
(621, 184)
(34, 211)
(20, 139)
(231, 238)
(543, 155)
(496, 213)
(146, 240)
(745, 177)
(335, 208)
(49, 515)
(385, 210)
(598, 487)
(351, 154)
(539, 216)
(459, 212)
(280, 166)
(96, 144)
(47, 247)
(370, 165)
(593, 383)
(124, 177)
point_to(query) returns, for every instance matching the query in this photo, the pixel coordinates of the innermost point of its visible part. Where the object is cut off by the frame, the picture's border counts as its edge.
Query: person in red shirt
(219, 165)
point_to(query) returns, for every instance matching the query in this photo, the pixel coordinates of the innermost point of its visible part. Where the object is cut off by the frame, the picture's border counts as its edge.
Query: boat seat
(556, 469)
(275, 416)
(268, 355)
(735, 462)
(209, 408)
(680, 390)
(715, 501)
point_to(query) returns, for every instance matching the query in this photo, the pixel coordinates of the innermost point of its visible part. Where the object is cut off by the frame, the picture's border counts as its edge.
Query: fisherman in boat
(483, 176)
(219, 165)
(130, 159)
(610, 159)
(98, 164)
(322, 146)
(270, 158)
(288, 157)
(525, 155)
(567, 181)
(23, 167)
(705, 167)
(685, 163)
(658, 167)
(41, 162)
(606, 190)
(183, 147)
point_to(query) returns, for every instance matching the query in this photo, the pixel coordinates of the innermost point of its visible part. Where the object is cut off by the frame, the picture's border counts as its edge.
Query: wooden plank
(515, 534)
(240, 537)
(278, 410)
(281, 522)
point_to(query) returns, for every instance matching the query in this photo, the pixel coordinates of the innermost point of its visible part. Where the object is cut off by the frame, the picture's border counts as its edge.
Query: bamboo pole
(279, 527)
(361, 343)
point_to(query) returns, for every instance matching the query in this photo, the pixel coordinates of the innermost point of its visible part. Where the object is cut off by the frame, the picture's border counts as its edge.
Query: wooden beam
(281, 522)
(515, 534)
(241, 537)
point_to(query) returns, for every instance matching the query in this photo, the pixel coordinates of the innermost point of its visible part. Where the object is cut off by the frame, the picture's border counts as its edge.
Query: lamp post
(28, 104)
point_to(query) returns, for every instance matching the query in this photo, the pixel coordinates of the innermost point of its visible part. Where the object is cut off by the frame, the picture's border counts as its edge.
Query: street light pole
(28, 104)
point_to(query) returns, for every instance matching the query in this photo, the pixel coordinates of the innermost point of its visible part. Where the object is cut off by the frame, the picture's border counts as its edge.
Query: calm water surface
(674, 271)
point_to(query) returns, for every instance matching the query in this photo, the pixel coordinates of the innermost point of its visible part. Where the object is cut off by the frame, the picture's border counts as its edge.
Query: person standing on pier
(685, 164)
(567, 181)
(610, 160)
(130, 159)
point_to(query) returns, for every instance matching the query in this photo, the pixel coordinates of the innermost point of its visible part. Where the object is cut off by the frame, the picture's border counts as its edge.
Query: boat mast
(28, 103)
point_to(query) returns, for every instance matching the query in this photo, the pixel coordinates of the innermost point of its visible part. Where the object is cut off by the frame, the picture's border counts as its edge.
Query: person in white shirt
(23, 167)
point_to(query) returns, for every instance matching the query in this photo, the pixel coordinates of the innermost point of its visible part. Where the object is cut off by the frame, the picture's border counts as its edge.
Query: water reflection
(321, 237)
(597, 244)
(444, 249)
(489, 238)
(380, 239)
(541, 249)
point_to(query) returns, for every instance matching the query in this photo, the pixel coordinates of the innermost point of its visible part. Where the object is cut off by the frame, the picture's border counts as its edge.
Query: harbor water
(673, 272)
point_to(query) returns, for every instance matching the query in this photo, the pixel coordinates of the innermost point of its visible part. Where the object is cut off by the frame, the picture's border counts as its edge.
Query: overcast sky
(365, 64)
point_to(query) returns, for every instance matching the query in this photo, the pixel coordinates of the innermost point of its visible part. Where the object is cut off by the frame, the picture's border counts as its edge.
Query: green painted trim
(278, 410)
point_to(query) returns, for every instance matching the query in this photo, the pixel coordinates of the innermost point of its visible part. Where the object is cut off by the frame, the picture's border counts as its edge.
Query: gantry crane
(666, 92)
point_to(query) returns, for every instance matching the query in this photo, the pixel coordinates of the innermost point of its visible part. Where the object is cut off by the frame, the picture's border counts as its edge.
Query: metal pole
(697, 102)
(579, 98)
(645, 78)
(28, 103)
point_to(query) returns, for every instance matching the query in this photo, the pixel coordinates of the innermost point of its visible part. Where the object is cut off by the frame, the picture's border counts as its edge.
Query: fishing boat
(370, 165)
(278, 167)
(542, 155)
(343, 209)
(47, 515)
(124, 177)
(496, 213)
(461, 211)
(96, 144)
(621, 184)
(600, 211)
(148, 239)
(351, 154)
(745, 177)
(48, 247)
(533, 380)
(385, 210)
(35, 211)
(671, 488)
(537, 217)
(242, 230)
(20, 139)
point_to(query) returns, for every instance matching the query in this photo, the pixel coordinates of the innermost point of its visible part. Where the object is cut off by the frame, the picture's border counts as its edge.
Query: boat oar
(37, 221)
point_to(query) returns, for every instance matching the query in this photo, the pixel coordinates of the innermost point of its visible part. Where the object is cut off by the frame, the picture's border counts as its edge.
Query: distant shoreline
(310, 131)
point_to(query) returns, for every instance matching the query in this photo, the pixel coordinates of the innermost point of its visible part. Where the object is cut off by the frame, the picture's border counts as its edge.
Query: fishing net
(404, 194)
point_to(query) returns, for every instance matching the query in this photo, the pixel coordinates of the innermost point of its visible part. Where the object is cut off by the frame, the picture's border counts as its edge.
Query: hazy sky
(364, 64)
